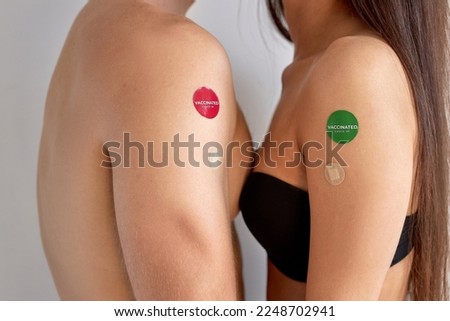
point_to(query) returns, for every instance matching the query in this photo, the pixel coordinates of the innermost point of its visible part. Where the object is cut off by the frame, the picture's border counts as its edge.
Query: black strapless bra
(278, 215)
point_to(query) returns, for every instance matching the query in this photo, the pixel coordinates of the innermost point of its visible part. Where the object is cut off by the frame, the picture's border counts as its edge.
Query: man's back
(116, 222)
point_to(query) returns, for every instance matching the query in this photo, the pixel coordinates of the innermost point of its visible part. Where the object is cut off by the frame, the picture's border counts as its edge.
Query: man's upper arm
(173, 219)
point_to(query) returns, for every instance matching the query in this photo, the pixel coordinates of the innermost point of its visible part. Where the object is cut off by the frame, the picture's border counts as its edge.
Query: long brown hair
(418, 32)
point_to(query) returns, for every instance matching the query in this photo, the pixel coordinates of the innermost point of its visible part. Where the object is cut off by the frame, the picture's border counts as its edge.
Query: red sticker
(206, 102)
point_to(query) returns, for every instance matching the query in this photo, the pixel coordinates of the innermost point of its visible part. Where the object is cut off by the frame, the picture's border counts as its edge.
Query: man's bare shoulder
(143, 66)
(122, 34)
(140, 42)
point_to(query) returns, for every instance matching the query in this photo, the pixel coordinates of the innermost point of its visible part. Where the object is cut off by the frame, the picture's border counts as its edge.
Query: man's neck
(179, 7)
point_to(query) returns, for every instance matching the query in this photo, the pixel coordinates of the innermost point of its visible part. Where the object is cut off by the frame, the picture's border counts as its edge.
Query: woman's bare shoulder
(360, 61)
(360, 70)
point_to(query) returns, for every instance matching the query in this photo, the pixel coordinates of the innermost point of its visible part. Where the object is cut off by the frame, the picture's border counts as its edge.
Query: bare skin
(339, 63)
(138, 233)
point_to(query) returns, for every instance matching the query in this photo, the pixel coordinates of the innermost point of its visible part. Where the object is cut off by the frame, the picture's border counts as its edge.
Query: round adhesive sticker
(206, 102)
(342, 126)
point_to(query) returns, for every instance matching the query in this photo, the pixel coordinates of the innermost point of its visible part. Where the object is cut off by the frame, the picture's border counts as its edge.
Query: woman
(364, 215)
(130, 205)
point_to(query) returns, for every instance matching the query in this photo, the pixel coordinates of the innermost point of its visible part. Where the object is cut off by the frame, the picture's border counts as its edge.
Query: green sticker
(342, 126)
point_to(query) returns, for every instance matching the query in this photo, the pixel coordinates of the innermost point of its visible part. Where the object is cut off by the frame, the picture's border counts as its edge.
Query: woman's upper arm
(356, 225)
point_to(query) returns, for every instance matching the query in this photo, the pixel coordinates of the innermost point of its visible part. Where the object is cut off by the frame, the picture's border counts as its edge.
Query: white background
(32, 33)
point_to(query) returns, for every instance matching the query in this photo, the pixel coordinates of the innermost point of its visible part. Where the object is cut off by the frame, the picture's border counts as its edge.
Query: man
(130, 206)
